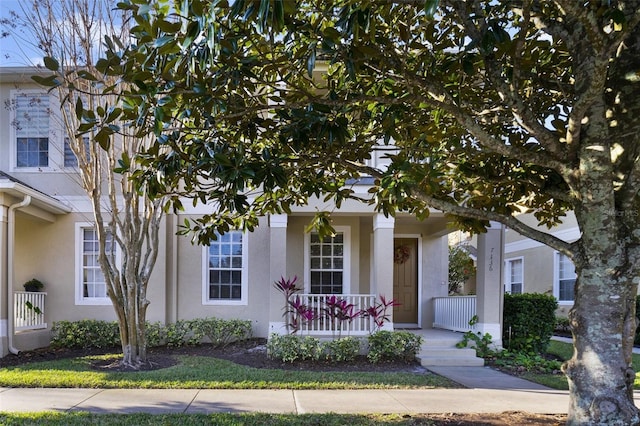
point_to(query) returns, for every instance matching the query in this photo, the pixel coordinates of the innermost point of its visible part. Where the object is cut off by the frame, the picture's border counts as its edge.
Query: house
(533, 267)
(46, 232)
(529, 265)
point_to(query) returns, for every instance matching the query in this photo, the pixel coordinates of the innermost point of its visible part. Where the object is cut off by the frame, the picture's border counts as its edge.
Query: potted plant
(33, 285)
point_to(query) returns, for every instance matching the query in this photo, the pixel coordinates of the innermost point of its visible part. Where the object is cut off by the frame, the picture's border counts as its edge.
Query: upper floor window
(31, 124)
(328, 263)
(514, 274)
(565, 281)
(226, 270)
(70, 159)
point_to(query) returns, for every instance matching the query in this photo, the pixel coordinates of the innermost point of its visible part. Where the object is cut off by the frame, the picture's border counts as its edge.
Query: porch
(28, 310)
(358, 315)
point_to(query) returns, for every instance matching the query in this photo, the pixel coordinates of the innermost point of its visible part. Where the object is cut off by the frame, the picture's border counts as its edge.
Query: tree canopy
(485, 109)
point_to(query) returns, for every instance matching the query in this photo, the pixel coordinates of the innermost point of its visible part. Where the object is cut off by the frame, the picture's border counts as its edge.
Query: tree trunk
(603, 322)
(132, 325)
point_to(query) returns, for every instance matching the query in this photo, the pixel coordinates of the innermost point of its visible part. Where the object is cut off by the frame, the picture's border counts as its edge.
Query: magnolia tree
(484, 108)
(69, 33)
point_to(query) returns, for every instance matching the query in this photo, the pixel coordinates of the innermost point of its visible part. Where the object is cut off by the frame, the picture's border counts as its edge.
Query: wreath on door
(401, 254)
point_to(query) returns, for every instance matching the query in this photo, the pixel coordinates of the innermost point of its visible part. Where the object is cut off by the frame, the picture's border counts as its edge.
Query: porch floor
(439, 349)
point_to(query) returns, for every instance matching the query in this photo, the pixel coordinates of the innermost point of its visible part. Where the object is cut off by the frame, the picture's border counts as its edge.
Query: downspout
(10, 247)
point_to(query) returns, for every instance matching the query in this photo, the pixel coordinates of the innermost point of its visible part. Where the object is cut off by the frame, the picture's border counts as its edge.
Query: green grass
(194, 372)
(559, 381)
(219, 419)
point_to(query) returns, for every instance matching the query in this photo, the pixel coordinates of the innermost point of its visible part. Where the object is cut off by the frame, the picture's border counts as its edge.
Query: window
(225, 271)
(70, 159)
(327, 260)
(91, 286)
(514, 276)
(31, 124)
(565, 279)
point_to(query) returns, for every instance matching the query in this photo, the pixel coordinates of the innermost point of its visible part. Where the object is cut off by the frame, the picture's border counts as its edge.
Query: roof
(16, 188)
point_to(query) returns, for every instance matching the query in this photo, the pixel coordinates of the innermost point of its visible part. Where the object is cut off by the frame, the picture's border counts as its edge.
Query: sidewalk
(488, 391)
(164, 401)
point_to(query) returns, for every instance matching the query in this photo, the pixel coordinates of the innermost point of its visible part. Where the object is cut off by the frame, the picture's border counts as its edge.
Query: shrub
(528, 362)
(393, 346)
(345, 349)
(156, 334)
(529, 321)
(179, 333)
(481, 343)
(85, 334)
(222, 332)
(290, 348)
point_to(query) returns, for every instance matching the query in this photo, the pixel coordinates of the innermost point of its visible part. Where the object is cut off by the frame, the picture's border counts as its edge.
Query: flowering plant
(378, 312)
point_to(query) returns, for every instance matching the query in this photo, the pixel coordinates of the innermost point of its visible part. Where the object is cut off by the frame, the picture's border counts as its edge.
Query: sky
(15, 52)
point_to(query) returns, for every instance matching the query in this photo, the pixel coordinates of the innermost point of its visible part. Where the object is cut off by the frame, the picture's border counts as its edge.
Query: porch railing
(322, 324)
(454, 312)
(28, 310)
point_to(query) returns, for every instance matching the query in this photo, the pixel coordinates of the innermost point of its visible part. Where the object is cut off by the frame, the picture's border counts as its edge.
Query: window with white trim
(225, 274)
(91, 286)
(70, 159)
(565, 273)
(328, 262)
(514, 274)
(31, 124)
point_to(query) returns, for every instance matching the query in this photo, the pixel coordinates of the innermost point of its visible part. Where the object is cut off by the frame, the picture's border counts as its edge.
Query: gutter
(10, 247)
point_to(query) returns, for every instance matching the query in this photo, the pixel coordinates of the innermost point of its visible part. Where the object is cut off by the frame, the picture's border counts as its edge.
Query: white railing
(454, 312)
(28, 310)
(322, 324)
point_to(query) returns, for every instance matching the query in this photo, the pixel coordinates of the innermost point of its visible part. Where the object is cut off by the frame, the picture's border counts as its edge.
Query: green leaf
(87, 75)
(169, 27)
(430, 8)
(159, 42)
(51, 64)
(79, 108)
(51, 81)
(103, 137)
(467, 66)
(311, 62)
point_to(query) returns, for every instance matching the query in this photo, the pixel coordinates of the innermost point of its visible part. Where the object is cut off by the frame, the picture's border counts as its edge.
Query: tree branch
(509, 93)
(510, 221)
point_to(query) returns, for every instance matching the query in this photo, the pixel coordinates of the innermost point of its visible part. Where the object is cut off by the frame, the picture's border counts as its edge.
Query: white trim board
(568, 235)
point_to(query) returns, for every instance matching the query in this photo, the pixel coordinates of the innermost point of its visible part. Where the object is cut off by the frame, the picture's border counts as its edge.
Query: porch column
(277, 269)
(489, 282)
(4, 279)
(382, 270)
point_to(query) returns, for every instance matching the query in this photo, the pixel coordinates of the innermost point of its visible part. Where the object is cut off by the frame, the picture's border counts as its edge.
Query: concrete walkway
(163, 401)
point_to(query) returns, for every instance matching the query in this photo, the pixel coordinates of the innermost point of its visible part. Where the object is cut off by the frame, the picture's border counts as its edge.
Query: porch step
(450, 359)
(441, 351)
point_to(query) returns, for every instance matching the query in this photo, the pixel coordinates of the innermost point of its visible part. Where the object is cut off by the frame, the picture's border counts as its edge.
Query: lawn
(565, 351)
(221, 419)
(200, 372)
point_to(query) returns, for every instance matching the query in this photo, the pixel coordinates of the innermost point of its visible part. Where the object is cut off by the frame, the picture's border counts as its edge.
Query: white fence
(454, 312)
(28, 310)
(324, 324)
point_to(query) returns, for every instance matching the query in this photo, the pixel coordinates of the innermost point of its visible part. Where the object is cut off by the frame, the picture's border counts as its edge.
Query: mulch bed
(251, 353)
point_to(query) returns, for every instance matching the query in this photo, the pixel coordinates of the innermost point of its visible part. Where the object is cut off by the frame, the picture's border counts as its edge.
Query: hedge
(529, 321)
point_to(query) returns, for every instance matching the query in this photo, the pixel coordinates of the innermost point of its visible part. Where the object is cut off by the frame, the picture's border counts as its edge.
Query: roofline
(40, 199)
(21, 74)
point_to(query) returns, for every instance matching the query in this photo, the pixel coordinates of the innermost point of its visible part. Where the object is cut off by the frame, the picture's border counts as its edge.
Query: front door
(405, 280)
